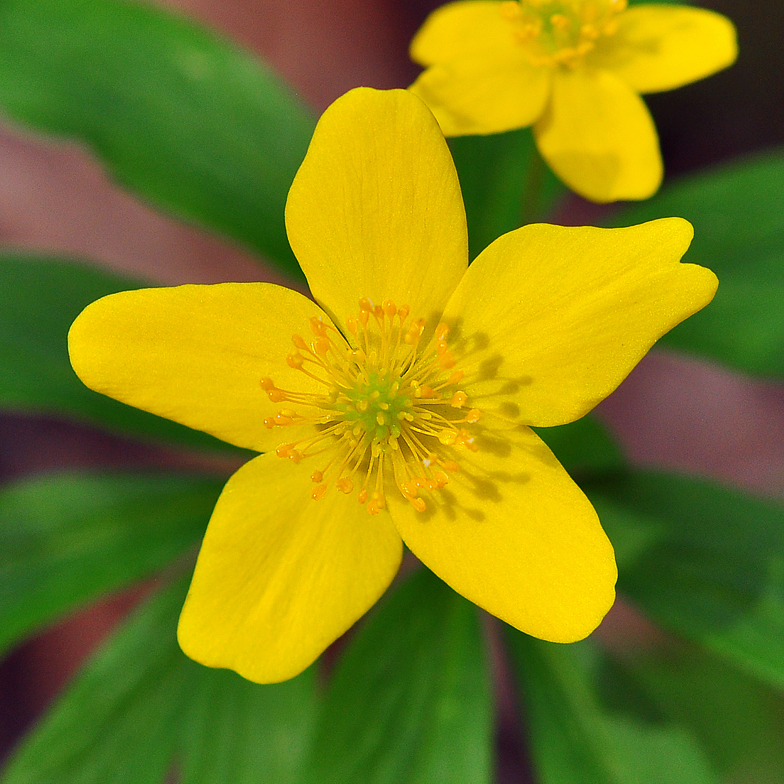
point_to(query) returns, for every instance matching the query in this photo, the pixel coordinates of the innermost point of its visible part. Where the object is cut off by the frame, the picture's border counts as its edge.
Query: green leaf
(505, 184)
(177, 114)
(704, 560)
(739, 234)
(585, 448)
(69, 538)
(39, 299)
(739, 722)
(409, 702)
(141, 709)
(578, 736)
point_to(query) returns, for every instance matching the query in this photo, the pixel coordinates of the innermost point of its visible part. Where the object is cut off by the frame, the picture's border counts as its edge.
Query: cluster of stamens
(561, 32)
(385, 407)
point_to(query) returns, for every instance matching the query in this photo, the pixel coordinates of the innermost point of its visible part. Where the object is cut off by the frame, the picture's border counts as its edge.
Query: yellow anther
(389, 308)
(473, 415)
(317, 476)
(266, 384)
(559, 21)
(295, 360)
(446, 360)
(284, 450)
(447, 437)
(299, 342)
(318, 492)
(282, 420)
(378, 312)
(269, 422)
(418, 504)
(456, 377)
(295, 455)
(321, 346)
(317, 326)
(352, 325)
(365, 305)
(381, 419)
(362, 496)
(458, 400)
(442, 330)
(441, 478)
(403, 312)
(451, 466)
(276, 395)
(345, 485)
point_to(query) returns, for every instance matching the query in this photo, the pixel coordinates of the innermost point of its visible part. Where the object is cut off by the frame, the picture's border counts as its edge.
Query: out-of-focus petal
(462, 29)
(598, 137)
(660, 47)
(485, 94)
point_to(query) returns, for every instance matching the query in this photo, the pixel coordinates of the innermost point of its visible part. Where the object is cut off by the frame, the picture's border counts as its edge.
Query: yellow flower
(574, 70)
(396, 410)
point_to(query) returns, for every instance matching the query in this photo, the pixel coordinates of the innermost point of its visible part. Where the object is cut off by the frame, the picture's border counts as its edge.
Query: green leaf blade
(704, 560)
(70, 538)
(409, 702)
(579, 736)
(141, 709)
(176, 113)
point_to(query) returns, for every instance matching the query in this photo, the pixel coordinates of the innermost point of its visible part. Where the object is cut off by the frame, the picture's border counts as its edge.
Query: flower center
(386, 410)
(561, 32)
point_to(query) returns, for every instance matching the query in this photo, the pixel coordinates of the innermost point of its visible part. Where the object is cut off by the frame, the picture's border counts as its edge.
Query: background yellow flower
(574, 69)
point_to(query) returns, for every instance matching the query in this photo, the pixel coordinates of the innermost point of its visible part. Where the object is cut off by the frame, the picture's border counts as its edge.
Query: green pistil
(377, 406)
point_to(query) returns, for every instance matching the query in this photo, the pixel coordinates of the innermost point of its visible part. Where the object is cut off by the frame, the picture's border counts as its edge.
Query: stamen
(385, 407)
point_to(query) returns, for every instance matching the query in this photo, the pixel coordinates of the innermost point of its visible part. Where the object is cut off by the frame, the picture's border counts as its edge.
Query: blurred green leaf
(141, 709)
(578, 736)
(705, 560)
(585, 448)
(409, 702)
(66, 539)
(39, 299)
(738, 721)
(178, 114)
(738, 220)
(505, 184)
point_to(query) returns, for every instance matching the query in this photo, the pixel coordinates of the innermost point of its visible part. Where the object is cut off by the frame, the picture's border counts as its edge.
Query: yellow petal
(376, 210)
(491, 93)
(197, 354)
(550, 319)
(281, 576)
(598, 137)
(659, 47)
(462, 29)
(514, 534)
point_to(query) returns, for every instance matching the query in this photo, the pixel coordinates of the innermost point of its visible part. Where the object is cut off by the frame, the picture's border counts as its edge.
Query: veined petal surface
(197, 354)
(281, 576)
(488, 93)
(660, 47)
(514, 534)
(461, 29)
(549, 319)
(598, 137)
(377, 202)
